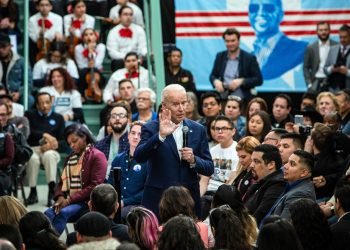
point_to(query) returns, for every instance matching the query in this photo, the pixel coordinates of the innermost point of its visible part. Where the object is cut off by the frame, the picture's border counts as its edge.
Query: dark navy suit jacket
(286, 55)
(165, 166)
(248, 68)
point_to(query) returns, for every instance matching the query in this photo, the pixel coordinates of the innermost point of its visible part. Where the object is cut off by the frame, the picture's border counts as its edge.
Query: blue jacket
(104, 144)
(133, 178)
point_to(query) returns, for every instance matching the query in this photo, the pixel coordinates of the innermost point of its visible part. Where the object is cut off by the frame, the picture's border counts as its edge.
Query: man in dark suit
(171, 161)
(297, 173)
(315, 58)
(235, 71)
(276, 53)
(337, 67)
(341, 230)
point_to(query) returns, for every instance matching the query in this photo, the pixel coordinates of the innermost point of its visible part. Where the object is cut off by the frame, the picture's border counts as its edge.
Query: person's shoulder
(54, 15)
(68, 17)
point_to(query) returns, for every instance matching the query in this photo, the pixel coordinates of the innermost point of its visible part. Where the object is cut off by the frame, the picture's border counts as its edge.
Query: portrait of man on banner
(271, 44)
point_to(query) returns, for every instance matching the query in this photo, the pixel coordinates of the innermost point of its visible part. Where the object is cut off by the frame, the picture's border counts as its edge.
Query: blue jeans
(67, 214)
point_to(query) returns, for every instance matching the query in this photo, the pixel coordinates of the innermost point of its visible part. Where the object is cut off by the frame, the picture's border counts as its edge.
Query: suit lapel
(317, 55)
(172, 145)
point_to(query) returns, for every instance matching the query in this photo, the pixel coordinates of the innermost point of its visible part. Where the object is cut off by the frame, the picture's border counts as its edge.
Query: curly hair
(180, 232)
(310, 224)
(69, 84)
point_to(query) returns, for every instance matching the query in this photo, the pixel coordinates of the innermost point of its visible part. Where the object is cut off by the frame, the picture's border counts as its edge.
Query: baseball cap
(93, 224)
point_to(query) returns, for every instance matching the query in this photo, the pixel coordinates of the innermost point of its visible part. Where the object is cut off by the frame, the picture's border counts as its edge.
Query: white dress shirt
(83, 62)
(88, 23)
(42, 68)
(118, 46)
(323, 52)
(50, 34)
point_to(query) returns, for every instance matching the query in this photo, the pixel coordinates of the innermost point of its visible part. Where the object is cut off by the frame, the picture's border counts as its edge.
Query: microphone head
(185, 129)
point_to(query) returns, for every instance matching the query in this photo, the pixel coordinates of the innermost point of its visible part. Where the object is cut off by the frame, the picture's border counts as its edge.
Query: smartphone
(298, 119)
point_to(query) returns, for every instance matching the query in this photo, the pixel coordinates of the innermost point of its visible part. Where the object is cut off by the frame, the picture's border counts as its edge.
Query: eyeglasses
(120, 116)
(234, 98)
(223, 129)
(206, 105)
(268, 8)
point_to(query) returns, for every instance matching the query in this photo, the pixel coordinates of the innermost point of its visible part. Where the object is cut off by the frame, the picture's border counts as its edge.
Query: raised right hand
(166, 126)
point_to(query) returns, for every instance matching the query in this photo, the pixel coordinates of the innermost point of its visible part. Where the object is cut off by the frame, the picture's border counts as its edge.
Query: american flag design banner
(200, 24)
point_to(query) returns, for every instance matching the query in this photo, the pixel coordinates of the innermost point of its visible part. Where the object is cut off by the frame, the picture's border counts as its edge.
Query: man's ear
(271, 165)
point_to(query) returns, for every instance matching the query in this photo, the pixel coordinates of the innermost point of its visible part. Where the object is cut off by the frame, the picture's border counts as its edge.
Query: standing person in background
(235, 71)
(174, 73)
(9, 17)
(173, 161)
(315, 58)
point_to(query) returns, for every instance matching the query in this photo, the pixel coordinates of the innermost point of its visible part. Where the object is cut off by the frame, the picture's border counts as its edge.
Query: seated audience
(343, 99)
(258, 125)
(7, 153)
(281, 108)
(256, 104)
(145, 101)
(227, 229)
(143, 228)
(84, 168)
(38, 233)
(244, 178)
(55, 58)
(191, 109)
(276, 234)
(274, 136)
(308, 99)
(124, 38)
(288, 143)
(12, 234)
(45, 139)
(310, 224)
(340, 230)
(174, 73)
(66, 99)
(11, 210)
(211, 107)
(133, 174)
(232, 110)
(184, 205)
(180, 232)
(9, 18)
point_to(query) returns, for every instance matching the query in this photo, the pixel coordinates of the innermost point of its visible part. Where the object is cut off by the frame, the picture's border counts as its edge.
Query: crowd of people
(220, 170)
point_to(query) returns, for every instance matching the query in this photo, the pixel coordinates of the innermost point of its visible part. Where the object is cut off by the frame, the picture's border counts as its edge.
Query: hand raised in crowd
(166, 126)
(326, 208)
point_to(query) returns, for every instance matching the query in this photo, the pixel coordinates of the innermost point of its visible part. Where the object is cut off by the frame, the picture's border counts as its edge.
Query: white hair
(172, 88)
(152, 94)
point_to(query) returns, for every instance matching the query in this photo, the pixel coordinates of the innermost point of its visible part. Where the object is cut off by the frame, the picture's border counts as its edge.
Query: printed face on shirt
(134, 136)
(126, 17)
(89, 36)
(232, 110)
(44, 7)
(323, 32)
(286, 147)
(118, 119)
(176, 102)
(79, 9)
(280, 109)
(294, 170)
(44, 104)
(265, 16)
(131, 63)
(126, 91)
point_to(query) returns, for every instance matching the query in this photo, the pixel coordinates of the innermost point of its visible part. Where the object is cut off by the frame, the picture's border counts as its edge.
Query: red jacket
(93, 172)
(9, 153)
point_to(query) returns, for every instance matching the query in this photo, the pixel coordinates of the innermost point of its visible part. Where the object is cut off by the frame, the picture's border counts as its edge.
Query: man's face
(126, 91)
(344, 38)
(143, 101)
(134, 135)
(280, 109)
(126, 17)
(5, 50)
(131, 63)
(286, 148)
(44, 104)
(344, 105)
(224, 132)
(271, 138)
(323, 32)
(232, 43)
(175, 58)
(118, 119)
(3, 115)
(210, 107)
(259, 168)
(265, 17)
(176, 102)
(294, 170)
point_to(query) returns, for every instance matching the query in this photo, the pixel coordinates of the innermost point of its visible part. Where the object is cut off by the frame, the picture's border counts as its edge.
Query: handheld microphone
(185, 131)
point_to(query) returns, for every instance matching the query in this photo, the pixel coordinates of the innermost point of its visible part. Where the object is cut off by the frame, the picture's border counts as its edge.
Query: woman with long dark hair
(258, 125)
(83, 169)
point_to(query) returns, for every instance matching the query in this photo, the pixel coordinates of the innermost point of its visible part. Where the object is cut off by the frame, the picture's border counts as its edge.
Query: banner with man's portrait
(276, 31)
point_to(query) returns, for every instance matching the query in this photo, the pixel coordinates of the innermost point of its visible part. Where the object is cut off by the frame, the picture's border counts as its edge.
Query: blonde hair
(11, 210)
(327, 94)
